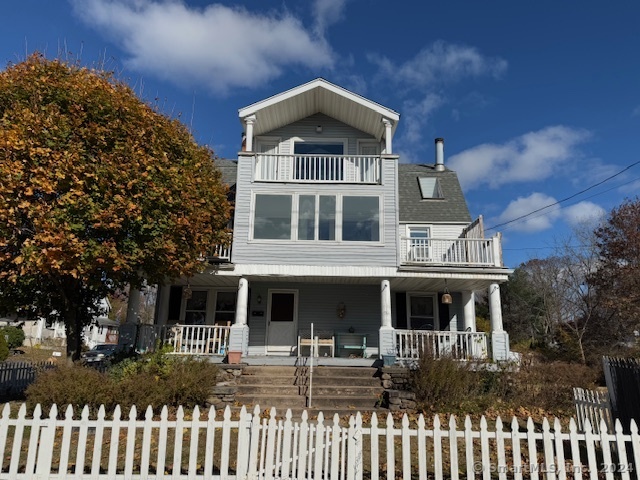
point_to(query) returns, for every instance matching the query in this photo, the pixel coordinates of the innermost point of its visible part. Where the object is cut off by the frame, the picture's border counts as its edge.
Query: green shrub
(15, 336)
(72, 385)
(153, 379)
(4, 349)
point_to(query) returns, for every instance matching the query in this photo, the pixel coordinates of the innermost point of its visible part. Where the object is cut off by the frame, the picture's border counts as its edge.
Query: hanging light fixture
(447, 299)
(187, 293)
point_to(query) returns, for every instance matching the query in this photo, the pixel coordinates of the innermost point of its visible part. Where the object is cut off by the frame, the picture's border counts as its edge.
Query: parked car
(100, 353)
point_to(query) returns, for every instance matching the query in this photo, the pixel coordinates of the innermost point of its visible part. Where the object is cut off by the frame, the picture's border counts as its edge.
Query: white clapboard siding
(256, 447)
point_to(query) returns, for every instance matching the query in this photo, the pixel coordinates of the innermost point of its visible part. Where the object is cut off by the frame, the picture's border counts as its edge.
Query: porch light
(447, 299)
(341, 310)
(319, 129)
(187, 293)
(259, 299)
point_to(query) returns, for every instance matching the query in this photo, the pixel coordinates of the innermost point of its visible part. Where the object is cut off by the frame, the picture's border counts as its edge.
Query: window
(317, 217)
(325, 227)
(195, 312)
(225, 308)
(429, 187)
(318, 161)
(422, 312)
(418, 244)
(360, 219)
(272, 219)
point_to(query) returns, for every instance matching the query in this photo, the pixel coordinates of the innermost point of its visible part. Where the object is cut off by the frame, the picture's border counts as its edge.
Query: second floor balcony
(478, 252)
(314, 168)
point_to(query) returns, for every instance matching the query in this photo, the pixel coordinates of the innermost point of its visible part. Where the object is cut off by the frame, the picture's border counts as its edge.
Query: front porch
(213, 341)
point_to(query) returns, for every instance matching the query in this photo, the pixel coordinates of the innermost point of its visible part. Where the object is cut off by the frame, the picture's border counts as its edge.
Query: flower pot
(234, 357)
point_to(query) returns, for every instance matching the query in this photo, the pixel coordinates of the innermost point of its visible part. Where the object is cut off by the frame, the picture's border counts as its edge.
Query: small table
(351, 341)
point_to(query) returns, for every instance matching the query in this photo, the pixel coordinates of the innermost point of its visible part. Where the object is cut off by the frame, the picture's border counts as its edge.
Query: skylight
(429, 187)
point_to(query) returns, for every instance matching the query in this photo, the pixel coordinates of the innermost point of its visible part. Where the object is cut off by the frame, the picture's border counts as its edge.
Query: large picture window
(272, 218)
(317, 217)
(360, 219)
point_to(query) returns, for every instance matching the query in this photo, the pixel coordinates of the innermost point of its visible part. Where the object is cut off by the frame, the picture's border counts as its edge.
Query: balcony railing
(220, 253)
(185, 339)
(317, 168)
(452, 251)
(413, 344)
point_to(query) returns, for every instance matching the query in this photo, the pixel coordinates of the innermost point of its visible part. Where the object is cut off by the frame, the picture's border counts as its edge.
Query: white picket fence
(594, 406)
(256, 447)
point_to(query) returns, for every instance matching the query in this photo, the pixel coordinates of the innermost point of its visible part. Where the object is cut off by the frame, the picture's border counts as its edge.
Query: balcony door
(318, 161)
(282, 320)
(418, 244)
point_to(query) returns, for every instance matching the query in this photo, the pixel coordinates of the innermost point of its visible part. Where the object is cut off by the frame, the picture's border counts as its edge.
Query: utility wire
(564, 199)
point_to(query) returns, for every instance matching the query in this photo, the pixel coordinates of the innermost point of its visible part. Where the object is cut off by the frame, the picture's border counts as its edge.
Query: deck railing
(412, 344)
(317, 168)
(186, 339)
(451, 251)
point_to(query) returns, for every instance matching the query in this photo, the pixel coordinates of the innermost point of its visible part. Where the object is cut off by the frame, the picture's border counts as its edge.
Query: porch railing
(412, 344)
(186, 339)
(317, 168)
(451, 251)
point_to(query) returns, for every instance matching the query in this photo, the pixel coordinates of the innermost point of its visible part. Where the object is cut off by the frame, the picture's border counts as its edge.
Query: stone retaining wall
(224, 392)
(395, 380)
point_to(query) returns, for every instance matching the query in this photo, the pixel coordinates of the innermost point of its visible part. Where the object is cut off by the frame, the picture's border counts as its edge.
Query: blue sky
(536, 101)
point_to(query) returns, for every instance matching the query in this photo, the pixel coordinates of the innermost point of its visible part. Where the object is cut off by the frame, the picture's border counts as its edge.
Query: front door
(282, 320)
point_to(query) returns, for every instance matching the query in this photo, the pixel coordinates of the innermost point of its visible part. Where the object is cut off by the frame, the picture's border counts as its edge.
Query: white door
(282, 320)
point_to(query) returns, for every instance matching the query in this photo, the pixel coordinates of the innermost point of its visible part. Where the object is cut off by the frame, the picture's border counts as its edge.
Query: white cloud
(575, 215)
(416, 114)
(218, 47)
(439, 63)
(524, 205)
(533, 156)
(583, 213)
(326, 13)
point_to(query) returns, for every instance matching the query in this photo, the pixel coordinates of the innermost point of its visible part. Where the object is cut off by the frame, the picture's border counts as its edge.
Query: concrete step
(346, 390)
(261, 370)
(353, 402)
(266, 380)
(360, 372)
(272, 400)
(312, 413)
(346, 381)
(277, 390)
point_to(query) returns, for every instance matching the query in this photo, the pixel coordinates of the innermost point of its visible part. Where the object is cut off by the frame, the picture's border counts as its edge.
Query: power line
(564, 199)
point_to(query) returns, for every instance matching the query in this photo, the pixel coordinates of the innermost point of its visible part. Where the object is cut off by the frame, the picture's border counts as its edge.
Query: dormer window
(430, 187)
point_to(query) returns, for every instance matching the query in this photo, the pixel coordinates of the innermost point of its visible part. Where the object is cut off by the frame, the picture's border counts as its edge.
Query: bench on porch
(352, 341)
(322, 339)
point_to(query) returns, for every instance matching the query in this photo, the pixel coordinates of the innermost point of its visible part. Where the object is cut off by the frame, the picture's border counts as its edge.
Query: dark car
(99, 353)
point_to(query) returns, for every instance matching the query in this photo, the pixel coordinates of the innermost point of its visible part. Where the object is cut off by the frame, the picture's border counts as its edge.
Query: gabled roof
(228, 169)
(451, 208)
(321, 96)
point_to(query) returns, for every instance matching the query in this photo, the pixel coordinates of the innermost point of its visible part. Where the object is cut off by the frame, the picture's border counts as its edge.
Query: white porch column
(239, 334)
(388, 124)
(133, 306)
(469, 302)
(387, 345)
(499, 338)
(249, 121)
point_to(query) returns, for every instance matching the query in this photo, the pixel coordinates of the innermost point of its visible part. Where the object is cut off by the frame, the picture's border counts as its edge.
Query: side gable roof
(413, 208)
(319, 96)
(228, 169)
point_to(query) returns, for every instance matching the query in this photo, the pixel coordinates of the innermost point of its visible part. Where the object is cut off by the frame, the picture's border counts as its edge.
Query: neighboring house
(331, 229)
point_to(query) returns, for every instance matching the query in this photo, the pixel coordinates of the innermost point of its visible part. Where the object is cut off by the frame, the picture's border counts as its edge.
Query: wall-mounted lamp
(319, 129)
(341, 310)
(187, 293)
(259, 299)
(447, 299)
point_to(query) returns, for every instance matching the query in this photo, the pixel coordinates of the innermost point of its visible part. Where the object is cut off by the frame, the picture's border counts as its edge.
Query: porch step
(342, 390)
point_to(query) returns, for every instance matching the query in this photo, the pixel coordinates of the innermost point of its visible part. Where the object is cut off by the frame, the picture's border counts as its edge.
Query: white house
(331, 229)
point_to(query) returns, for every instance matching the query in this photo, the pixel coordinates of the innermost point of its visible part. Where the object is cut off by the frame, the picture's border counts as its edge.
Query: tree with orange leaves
(98, 190)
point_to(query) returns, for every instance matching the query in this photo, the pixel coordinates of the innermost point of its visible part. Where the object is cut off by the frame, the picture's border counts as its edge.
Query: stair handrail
(314, 346)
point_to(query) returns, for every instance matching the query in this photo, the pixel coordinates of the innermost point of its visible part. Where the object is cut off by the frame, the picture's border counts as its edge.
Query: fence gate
(623, 382)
